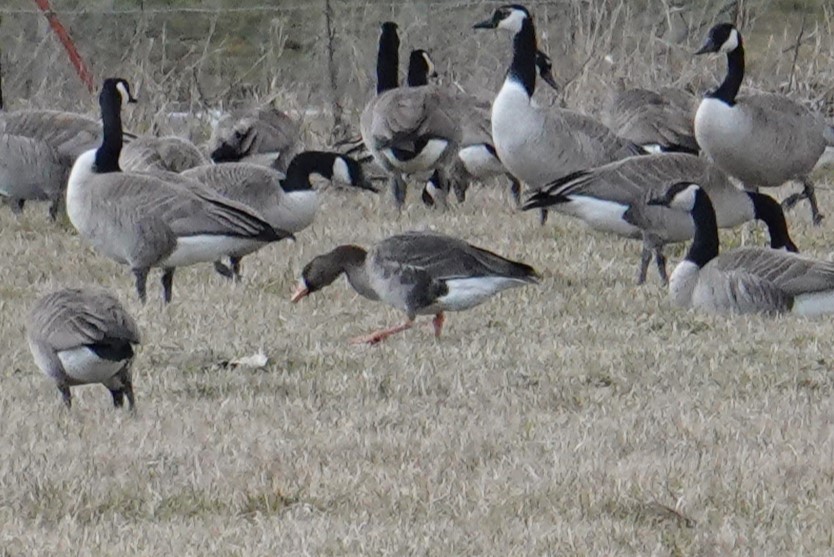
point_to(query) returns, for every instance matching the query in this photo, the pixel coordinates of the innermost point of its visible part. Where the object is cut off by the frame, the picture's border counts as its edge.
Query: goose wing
(68, 133)
(160, 153)
(791, 273)
(251, 184)
(73, 317)
(406, 114)
(784, 124)
(443, 257)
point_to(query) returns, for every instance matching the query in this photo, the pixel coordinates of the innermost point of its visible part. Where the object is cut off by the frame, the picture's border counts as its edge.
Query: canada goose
(540, 145)
(37, 149)
(407, 129)
(476, 159)
(143, 221)
(612, 199)
(419, 273)
(170, 153)
(263, 135)
(80, 336)
(286, 202)
(658, 121)
(763, 140)
(30, 170)
(744, 280)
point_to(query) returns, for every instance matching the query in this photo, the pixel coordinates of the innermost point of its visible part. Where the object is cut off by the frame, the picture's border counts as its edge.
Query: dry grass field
(585, 416)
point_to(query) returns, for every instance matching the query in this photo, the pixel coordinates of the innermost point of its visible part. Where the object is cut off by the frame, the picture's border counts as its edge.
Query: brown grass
(585, 416)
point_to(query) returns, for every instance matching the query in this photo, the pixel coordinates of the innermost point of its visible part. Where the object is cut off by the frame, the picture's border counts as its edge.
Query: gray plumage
(655, 120)
(613, 198)
(171, 153)
(84, 335)
(262, 135)
(419, 273)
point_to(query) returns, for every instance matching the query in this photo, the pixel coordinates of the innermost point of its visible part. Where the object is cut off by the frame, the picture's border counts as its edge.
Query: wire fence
(318, 56)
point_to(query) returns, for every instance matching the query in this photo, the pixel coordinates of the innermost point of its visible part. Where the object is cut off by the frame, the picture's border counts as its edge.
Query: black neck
(523, 67)
(387, 61)
(769, 211)
(107, 155)
(728, 89)
(418, 71)
(303, 165)
(705, 243)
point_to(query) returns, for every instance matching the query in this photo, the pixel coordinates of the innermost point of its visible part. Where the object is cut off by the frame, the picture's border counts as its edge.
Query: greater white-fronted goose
(419, 273)
(80, 336)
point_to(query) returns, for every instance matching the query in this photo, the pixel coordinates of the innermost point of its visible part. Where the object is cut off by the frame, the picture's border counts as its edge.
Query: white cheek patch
(512, 23)
(122, 89)
(429, 63)
(685, 200)
(731, 43)
(341, 173)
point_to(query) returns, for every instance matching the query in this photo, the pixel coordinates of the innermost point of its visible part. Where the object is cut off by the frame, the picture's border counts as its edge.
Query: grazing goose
(539, 145)
(170, 153)
(144, 221)
(419, 273)
(763, 140)
(613, 197)
(80, 336)
(286, 202)
(745, 280)
(658, 121)
(408, 129)
(264, 136)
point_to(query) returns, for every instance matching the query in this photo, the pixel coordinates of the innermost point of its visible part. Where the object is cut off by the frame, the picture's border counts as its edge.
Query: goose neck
(107, 155)
(387, 61)
(769, 211)
(303, 166)
(729, 88)
(523, 66)
(705, 242)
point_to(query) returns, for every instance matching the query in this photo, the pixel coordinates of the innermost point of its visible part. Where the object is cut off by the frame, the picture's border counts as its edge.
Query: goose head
(509, 17)
(322, 270)
(420, 68)
(117, 88)
(722, 38)
(545, 69)
(680, 196)
(347, 170)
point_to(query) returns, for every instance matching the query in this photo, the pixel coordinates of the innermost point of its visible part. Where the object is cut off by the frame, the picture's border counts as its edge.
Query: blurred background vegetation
(196, 57)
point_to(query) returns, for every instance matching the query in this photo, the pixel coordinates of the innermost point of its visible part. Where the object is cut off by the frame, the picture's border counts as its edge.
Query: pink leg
(438, 321)
(379, 336)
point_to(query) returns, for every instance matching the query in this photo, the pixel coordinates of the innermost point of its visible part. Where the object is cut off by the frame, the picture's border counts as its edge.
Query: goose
(170, 153)
(81, 336)
(613, 197)
(476, 159)
(658, 121)
(407, 129)
(744, 280)
(287, 202)
(762, 140)
(535, 144)
(144, 221)
(37, 149)
(419, 273)
(262, 135)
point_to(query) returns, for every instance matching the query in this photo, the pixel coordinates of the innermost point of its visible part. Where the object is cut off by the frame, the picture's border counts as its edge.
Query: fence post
(333, 74)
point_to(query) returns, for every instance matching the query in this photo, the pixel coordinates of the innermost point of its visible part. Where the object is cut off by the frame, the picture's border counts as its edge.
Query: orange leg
(379, 336)
(438, 321)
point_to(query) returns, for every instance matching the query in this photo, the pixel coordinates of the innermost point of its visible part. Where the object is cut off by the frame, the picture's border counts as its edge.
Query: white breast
(426, 160)
(682, 283)
(77, 193)
(204, 248)
(295, 212)
(480, 162)
(84, 366)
